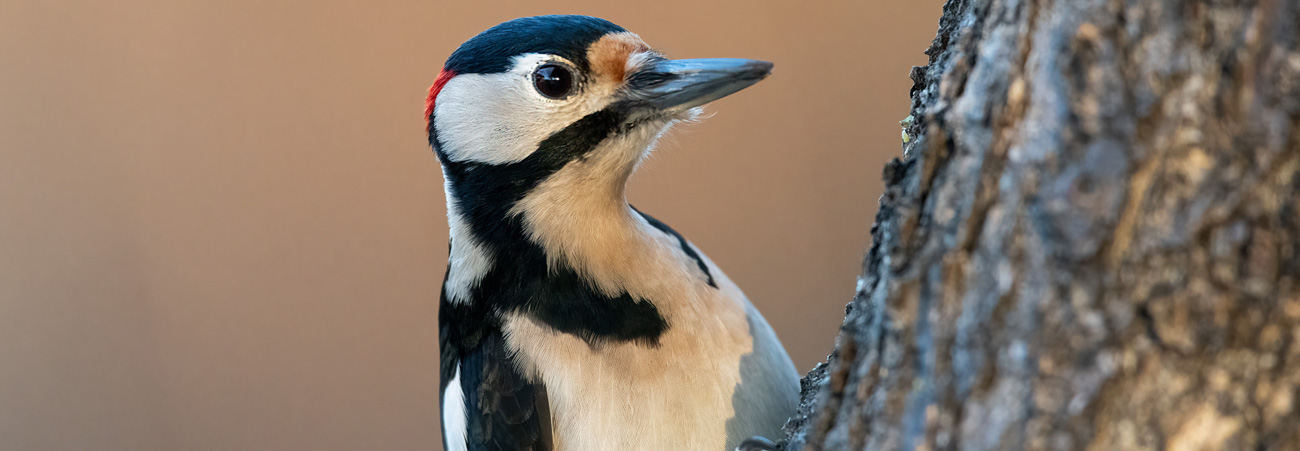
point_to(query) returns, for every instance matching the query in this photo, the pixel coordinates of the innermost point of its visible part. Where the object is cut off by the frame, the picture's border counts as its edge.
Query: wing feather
(503, 409)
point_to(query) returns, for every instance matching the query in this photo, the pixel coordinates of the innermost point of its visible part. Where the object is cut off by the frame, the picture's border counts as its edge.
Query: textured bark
(1091, 241)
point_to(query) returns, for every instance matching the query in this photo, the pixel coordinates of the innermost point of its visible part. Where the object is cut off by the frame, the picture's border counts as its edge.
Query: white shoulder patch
(469, 261)
(500, 118)
(453, 415)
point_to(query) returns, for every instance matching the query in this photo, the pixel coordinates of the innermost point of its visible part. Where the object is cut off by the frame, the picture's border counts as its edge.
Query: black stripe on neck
(485, 193)
(520, 279)
(686, 247)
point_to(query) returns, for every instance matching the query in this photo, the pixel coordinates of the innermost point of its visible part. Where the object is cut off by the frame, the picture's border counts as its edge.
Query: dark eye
(553, 80)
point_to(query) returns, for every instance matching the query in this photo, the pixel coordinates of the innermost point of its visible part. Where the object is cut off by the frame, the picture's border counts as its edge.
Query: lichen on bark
(1092, 241)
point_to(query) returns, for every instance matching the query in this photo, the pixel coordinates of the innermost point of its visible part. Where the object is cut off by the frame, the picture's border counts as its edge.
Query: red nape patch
(444, 76)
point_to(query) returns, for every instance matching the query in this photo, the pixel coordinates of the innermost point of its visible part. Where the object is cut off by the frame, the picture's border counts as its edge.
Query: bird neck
(569, 207)
(567, 252)
(580, 214)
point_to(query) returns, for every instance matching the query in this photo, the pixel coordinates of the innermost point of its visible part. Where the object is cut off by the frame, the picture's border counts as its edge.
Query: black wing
(504, 411)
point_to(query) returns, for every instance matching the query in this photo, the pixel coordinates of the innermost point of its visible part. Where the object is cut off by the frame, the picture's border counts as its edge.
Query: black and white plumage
(570, 320)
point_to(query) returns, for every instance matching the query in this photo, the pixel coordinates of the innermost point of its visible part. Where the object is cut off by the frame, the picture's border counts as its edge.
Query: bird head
(529, 97)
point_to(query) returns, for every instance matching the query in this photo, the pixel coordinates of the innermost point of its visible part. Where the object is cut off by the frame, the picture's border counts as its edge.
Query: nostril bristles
(649, 79)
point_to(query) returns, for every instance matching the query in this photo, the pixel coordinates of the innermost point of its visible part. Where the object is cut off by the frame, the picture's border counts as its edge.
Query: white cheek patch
(488, 118)
(500, 118)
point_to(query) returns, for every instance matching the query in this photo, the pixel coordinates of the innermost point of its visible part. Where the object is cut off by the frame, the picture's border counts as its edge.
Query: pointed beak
(678, 85)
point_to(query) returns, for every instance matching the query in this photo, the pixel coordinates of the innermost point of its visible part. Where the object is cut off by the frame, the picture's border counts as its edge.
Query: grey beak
(675, 85)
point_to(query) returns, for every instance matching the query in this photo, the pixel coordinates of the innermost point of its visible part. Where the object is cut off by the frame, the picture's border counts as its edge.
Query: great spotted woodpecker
(570, 320)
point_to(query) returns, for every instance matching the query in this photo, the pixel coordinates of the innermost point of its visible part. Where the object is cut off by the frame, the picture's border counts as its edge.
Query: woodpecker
(570, 320)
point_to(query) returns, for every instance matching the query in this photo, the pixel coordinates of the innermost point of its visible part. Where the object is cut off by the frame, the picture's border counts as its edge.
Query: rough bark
(1091, 241)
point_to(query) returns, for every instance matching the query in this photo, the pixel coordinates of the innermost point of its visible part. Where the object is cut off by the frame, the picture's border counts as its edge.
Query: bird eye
(553, 80)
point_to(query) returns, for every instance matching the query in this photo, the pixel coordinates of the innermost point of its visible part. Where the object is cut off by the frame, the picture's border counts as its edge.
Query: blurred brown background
(221, 227)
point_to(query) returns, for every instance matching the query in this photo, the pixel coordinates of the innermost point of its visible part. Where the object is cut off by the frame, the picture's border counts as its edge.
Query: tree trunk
(1092, 240)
